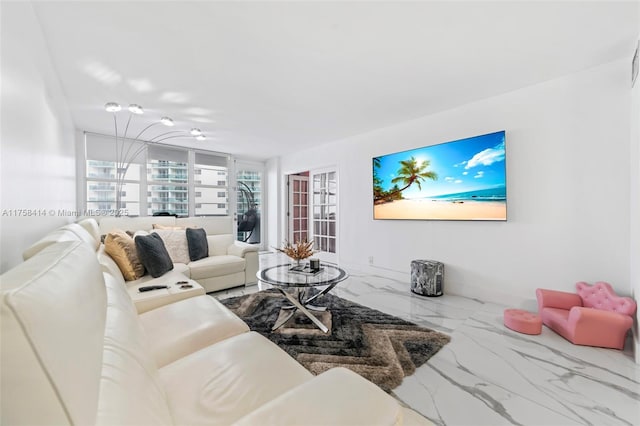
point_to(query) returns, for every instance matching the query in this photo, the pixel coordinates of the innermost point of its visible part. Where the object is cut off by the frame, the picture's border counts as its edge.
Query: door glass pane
(249, 205)
(324, 211)
(332, 245)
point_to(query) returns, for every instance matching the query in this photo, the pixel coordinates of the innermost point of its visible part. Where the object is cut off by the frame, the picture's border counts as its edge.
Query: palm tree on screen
(411, 172)
(378, 192)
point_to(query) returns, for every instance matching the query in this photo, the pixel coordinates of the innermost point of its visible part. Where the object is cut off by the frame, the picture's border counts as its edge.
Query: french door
(298, 208)
(324, 185)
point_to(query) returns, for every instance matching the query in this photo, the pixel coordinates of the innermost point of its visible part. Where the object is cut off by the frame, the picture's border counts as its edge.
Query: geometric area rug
(380, 347)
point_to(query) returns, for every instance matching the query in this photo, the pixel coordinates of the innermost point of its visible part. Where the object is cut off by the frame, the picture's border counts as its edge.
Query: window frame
(145, 193)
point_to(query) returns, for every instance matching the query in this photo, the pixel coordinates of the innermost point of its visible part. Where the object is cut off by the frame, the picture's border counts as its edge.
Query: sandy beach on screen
(441, 209)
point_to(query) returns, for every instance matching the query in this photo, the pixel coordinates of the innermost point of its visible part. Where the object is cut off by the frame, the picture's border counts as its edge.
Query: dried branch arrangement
(298, 251)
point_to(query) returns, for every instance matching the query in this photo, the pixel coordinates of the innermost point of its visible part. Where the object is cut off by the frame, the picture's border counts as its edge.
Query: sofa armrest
(348, 398)
(596, 321)
(238, 248)
(556, 299)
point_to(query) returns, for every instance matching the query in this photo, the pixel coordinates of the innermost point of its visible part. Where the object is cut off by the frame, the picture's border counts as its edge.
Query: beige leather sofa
(74, 350)
(230, 263)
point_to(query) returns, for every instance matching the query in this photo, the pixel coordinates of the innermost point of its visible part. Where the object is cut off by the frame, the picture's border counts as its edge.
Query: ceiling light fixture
(128, 148)
(112, 107)
(136, 109)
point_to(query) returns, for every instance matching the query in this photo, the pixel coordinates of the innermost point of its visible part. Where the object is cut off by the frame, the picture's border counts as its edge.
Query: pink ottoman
(522, 321)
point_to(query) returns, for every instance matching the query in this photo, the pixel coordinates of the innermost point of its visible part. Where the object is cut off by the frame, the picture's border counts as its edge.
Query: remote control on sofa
(152, 287)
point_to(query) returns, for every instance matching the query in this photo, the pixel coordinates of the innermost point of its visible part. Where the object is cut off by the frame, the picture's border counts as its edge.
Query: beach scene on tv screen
(459, 180)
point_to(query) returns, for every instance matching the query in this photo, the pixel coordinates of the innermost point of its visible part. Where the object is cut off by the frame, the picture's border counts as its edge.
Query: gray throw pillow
(153, 254)
(197, 242)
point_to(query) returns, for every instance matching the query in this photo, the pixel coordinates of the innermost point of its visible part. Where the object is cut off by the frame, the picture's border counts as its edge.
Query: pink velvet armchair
(595, 316)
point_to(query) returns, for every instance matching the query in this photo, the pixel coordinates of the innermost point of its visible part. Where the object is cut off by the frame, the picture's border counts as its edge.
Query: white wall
(568, 189)
(273, 183)
(634, 196)
(37, 139)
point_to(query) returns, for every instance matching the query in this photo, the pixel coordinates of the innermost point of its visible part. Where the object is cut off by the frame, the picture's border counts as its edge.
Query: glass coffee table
(294, 286)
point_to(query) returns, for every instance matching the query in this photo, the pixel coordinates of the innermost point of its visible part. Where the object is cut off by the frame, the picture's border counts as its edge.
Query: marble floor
(490, 375)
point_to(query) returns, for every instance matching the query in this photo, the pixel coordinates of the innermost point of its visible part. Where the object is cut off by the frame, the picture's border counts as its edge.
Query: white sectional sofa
(75, 350)
(230, 263)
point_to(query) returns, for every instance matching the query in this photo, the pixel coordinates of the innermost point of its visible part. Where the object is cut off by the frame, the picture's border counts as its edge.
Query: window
(211, 185)
(165, 187)
(167, 180)
(101, 181)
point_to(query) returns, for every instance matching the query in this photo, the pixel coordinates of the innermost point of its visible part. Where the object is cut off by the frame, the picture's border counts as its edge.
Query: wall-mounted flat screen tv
(464, 179)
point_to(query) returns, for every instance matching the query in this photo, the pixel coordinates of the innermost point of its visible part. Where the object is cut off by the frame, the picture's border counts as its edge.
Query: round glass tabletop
(284, 276)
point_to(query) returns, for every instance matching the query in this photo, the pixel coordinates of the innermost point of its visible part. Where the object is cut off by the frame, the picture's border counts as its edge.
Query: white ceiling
(265, 78)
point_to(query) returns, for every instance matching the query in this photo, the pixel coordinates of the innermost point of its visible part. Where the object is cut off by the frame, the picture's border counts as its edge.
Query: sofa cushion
(197, 243)
(109, 223)
(56, 236)
(92, 227)
(147, 300)
(122, 249)
(130, 390)
(350, 400)
(176, 244)
(153, 254)
(53, 321)
(216, 266)
(556, 319)
(109, 265)
(158, 226)
(181, 328)
(171, 277)
(223, 382)
(218, 244)
(213, 225)
(84, 234)
(183, 269)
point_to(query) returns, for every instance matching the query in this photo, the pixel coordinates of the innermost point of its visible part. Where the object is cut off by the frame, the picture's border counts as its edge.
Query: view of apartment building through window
(177, 180)
(101, 187)
(211, 184)
(167, 181)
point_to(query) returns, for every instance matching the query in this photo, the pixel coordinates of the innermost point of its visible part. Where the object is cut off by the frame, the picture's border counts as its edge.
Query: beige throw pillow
(122, 249)
(176, 243)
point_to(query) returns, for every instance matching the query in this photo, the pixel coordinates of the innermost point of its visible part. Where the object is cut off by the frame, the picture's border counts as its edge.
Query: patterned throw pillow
(176, 244)
(153, 254)
(122, 250)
